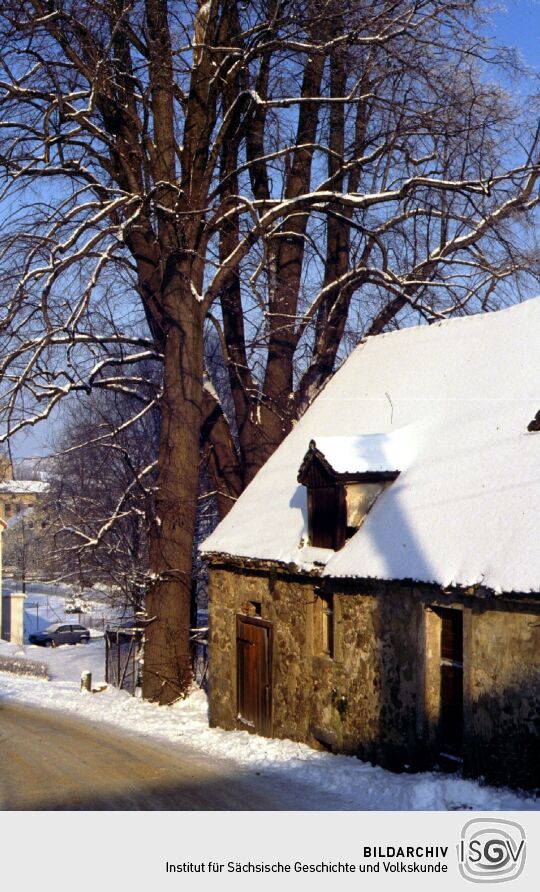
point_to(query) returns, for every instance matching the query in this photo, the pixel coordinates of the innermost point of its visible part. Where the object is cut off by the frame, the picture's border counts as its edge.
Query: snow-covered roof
(23, 487)
(456, 397)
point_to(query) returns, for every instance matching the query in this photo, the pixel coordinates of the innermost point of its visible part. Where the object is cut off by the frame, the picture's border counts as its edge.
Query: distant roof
(22, 487)
(455, 399)
(35, 467)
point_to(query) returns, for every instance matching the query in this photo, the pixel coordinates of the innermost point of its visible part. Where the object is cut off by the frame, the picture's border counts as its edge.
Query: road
(49, 761)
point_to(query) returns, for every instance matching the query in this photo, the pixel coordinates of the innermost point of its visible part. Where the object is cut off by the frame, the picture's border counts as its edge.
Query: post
(86, 681)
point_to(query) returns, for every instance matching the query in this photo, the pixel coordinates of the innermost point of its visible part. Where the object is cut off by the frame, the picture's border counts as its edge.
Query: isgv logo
(491, 850)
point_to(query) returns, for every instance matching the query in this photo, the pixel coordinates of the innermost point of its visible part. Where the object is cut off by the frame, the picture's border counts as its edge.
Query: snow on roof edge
(318, 572)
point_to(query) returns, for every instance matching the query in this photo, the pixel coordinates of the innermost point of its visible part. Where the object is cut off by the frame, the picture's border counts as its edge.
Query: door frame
(269, 626)
(431, 720)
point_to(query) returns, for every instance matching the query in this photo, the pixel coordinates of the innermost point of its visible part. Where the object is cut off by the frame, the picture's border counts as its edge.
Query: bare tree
(100, 500)
(284, 171)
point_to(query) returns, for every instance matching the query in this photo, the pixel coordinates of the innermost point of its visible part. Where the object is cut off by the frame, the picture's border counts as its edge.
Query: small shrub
(19, 666)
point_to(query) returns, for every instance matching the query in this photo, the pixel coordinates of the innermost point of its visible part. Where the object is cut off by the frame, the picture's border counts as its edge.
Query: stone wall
(287, 603)
(505, 695)
(366, 693)
(378, 697)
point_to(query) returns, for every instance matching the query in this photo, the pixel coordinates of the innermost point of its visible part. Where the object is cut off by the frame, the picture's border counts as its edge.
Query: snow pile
(357, 784)
(459, 395)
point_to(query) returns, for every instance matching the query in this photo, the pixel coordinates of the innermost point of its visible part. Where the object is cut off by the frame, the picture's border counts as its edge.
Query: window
(324, 625)
(336, 512)
(445, 646)
(328, 625)
(359, 499)
(326, 516)
(338, 500)
(451, 710)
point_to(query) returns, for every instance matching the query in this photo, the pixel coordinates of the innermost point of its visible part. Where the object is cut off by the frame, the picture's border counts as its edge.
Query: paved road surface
(52, 762)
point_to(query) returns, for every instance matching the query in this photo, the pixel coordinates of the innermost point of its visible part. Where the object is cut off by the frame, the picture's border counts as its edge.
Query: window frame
(325, 626)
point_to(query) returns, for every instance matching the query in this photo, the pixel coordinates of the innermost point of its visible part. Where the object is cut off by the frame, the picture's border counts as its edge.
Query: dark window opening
(327, 516)
(451, 709)
(336, 511)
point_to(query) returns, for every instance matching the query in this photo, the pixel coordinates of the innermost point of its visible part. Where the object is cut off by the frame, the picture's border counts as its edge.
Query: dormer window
(359, 497)
(344, 476)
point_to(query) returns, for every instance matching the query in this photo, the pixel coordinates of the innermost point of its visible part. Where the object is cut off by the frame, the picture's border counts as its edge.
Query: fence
(122, 657)
(123, 651)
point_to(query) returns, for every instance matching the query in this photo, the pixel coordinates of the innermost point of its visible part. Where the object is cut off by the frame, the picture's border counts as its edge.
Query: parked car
(60, 633)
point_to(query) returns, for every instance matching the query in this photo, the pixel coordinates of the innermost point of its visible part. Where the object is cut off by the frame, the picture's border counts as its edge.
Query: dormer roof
(363, 459)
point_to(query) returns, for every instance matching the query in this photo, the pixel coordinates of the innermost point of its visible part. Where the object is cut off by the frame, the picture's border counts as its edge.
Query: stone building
(18, 495)
(11, 605)
(376, 588)
(21, 506)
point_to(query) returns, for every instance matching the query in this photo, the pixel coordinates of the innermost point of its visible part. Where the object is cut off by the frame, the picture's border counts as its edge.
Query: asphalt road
(52, 762)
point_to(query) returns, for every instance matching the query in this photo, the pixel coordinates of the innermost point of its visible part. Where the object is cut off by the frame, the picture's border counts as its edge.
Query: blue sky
(518, 24)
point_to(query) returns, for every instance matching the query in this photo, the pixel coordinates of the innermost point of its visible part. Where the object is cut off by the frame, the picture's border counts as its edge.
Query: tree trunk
(167, 666)
(220, 454)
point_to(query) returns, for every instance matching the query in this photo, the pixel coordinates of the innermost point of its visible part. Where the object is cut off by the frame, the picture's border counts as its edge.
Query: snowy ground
(363, 786)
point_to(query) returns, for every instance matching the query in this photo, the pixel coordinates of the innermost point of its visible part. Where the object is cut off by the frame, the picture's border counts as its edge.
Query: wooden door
(254, 674)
